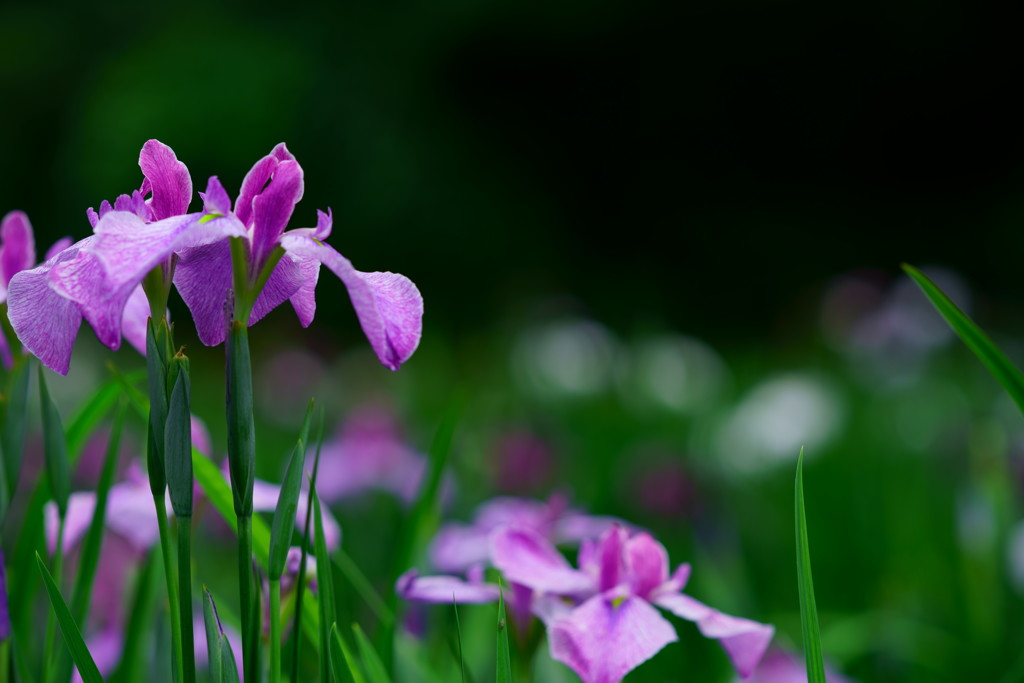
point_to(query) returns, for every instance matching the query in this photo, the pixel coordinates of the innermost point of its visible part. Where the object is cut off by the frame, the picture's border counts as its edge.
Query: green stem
(188, 649)
(247, 598)
(172, 589)
(275, 630)
(51, 623)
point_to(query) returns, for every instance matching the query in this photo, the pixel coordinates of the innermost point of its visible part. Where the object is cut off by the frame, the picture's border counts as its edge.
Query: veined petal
(283, 283)
(45, 322)
(203, 278)
(273, 207)
(605, 638)
(744, 640)
(304, 299)
(169, 180)
(256, 179)
(17, 248)
(443, 589)
(57, 247)
(389, 307)
(215, 199)
(526, 557)
(611, 562)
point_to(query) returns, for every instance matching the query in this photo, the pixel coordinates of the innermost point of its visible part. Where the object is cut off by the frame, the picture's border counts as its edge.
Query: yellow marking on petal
(210, 217)
(617, 602)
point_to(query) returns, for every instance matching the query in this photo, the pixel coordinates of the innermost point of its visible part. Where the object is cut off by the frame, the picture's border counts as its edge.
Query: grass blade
(284, 513)
(300, 589)
(72, 636)
(375, 671)
(325, 583)
(504, 667)
(351, 571)
(458, 635)
(342, 660)
(808, 609)
(1005, 372)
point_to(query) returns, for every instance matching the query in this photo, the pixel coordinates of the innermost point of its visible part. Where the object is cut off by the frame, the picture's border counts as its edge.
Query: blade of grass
(325, 584)
(375, 671)
(504, 666)
(72, 636)
(351, 571)
(458, 636)
(808, 609)
(1005, 372)
(342, 660)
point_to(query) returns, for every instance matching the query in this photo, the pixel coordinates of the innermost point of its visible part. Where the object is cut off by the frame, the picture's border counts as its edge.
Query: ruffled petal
(169, 180)
(45, 322)
(606, 637)
(203, 278)
(273, 207)
(389, 307)
(745, 641)
(526, 557)
(443, 589)
(17, 248)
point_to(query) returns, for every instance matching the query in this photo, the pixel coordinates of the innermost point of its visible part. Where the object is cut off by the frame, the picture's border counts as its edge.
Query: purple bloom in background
(460, 546)
(5, 615)
(370, 453)
(389, 306)
(779, 666)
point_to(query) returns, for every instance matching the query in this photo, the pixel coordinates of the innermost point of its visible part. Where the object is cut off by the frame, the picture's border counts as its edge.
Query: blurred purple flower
(389, 306)
(369, 453)
(5, 615)
(779, 666)
(456, 547)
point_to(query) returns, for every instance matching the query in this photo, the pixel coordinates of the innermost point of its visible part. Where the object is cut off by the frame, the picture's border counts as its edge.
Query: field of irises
(584, 505)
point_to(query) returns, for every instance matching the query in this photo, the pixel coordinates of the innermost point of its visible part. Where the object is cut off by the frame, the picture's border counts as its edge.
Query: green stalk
(172, 589)
(275, 630)
(247, 598)
(188, 648)
(51, 623)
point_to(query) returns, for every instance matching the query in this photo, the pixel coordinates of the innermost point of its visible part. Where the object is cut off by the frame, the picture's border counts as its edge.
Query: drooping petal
(443, 589)
(17, 248)
(745, 641)
(389, 307)
(646, 564)
(203, 278)
(283, 283)
(304, 300)
(606, 637)
(273, 207)
(169, 180)
(45, 322)
(133, 322)
(526, 557)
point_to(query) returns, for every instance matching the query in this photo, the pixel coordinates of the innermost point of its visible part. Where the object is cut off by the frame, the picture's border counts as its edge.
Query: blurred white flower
(673, 372)
(565, 359)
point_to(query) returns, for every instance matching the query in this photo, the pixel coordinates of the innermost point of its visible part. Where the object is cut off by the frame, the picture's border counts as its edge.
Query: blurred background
(659, 245)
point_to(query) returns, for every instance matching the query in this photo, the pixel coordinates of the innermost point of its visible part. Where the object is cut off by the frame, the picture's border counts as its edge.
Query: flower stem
(188, 649)
(247, 598)
(167, 551)
(275, 630)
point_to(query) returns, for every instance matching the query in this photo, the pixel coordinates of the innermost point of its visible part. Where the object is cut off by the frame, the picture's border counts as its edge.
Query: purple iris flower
(601, 618)
(389, 306)
(18, 254)
(457, 547)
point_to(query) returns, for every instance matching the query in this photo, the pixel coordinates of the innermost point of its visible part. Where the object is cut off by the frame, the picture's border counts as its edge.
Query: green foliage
(72, 636)
(504, 664)
(55, 449)
(808, 609)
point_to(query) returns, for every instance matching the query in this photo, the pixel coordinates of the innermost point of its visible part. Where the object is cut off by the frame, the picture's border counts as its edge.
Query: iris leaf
(375, 671)
(72, 636)
(1005, 372)
(808, 609)
(344, 667)
(504, 672)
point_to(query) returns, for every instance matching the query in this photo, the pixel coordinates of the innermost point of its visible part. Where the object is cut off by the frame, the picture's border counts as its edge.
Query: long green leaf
(300, 588)
(1005, 372)
(504, 670)
(458, 634)
(72, 636)
(55, 449)
(15, 419)
(344, 667)
(284, 513)
(351, 571)
(375, 671)
(808, 609)
(325, 583)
